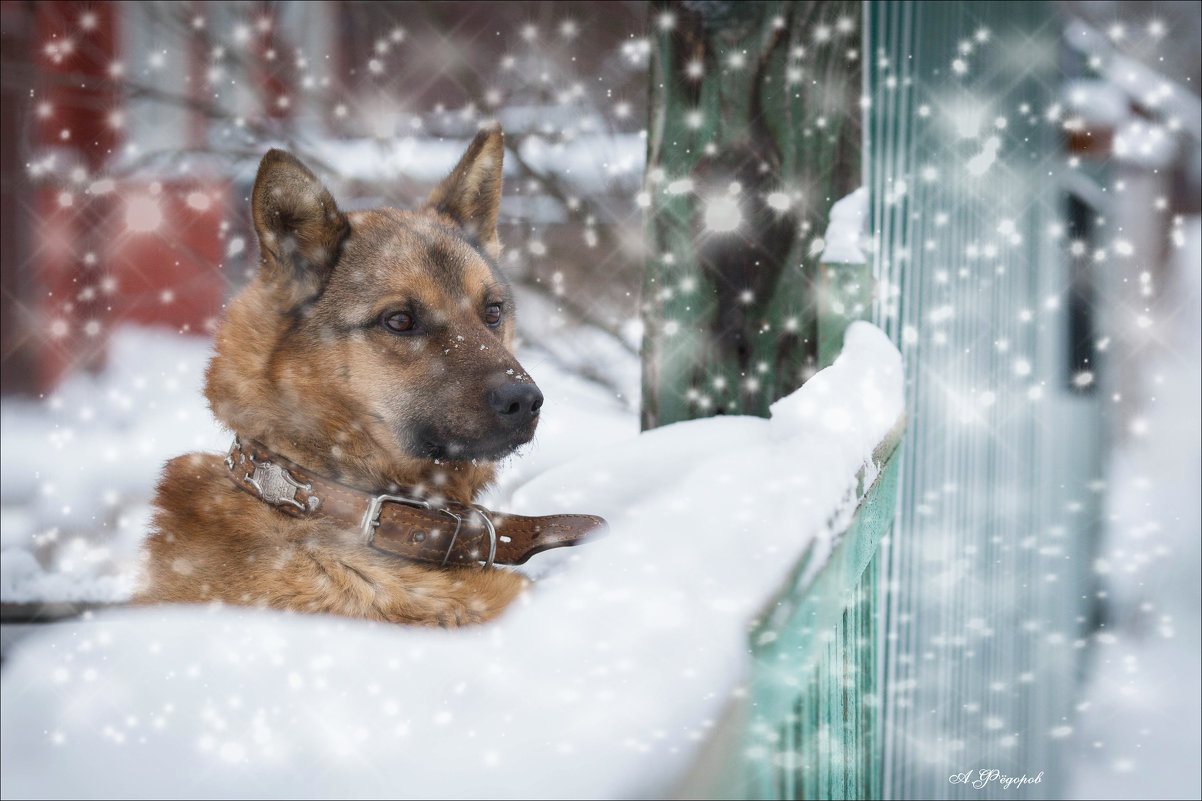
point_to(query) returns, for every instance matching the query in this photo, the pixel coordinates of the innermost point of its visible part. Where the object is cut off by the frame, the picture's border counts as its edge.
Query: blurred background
(131, 134)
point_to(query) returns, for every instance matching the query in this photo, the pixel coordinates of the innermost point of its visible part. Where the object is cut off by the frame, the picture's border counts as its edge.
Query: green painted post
(845, 295)
(845, 283)
(754, 131)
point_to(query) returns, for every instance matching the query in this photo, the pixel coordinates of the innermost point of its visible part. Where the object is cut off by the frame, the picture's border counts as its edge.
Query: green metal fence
(943, 635)
(815, 723)
(986, 572)
(811, 723)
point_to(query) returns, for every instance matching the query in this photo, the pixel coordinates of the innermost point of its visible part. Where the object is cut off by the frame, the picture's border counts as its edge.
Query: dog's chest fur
(216, 543)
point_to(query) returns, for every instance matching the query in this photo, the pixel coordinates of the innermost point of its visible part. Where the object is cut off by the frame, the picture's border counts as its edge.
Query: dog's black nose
(516, 403)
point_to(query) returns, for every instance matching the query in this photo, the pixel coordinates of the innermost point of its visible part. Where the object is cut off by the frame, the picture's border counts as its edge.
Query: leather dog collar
(406, 525)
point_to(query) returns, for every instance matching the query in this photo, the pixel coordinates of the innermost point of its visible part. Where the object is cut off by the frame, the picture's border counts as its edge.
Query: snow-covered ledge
(605, 683)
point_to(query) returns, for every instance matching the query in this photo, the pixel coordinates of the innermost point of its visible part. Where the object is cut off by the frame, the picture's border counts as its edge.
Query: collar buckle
(371, 521)
(371, 518)
(492, 532)
(375, 506)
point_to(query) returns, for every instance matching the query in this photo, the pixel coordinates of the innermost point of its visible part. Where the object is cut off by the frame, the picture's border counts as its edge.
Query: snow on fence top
(845, 229)
(602, 684)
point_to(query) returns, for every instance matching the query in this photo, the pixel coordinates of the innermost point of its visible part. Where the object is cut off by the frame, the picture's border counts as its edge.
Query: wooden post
(754, 133)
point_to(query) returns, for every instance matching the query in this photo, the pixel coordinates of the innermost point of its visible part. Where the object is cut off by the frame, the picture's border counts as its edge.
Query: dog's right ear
(299, 226)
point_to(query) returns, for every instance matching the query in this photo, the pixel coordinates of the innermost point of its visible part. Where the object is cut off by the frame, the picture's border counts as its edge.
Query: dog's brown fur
(305, 366)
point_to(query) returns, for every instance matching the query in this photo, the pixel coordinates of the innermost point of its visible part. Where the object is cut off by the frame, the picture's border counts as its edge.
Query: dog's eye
(492, 314)
(398, 322)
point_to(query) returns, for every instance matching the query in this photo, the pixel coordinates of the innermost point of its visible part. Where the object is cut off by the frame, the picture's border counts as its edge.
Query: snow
(602, 683)
(590, 162)
(1140, 83)
(846, 229)
(1137, 728)
(1098, 101)
(1145, 144)
(78, 470)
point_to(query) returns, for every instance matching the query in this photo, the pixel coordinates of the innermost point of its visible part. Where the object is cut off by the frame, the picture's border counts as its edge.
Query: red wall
(102, 253)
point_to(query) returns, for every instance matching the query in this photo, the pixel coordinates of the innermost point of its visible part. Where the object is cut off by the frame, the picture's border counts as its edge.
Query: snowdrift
(604, 683)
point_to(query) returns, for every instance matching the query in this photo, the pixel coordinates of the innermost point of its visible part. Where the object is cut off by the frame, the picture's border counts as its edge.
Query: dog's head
(384, 329)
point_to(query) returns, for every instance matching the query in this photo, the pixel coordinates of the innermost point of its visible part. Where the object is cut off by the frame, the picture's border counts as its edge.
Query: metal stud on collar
(229, 456)
(275, 484)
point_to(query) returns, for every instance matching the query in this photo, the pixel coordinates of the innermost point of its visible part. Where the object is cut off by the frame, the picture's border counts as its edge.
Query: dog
(368, 373)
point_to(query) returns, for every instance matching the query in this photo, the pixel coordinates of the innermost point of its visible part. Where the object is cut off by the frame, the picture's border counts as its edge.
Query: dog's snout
(516, 403)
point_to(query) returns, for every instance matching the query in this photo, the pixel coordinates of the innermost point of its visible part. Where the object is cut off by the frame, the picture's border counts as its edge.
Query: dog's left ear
(471, 194)
(300, 228)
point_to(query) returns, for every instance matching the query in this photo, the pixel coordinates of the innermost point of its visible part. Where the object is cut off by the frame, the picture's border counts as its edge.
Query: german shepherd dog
(374, 348)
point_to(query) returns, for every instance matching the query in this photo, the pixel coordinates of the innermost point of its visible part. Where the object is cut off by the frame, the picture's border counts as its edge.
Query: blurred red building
(131, 131)
(87, 247)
